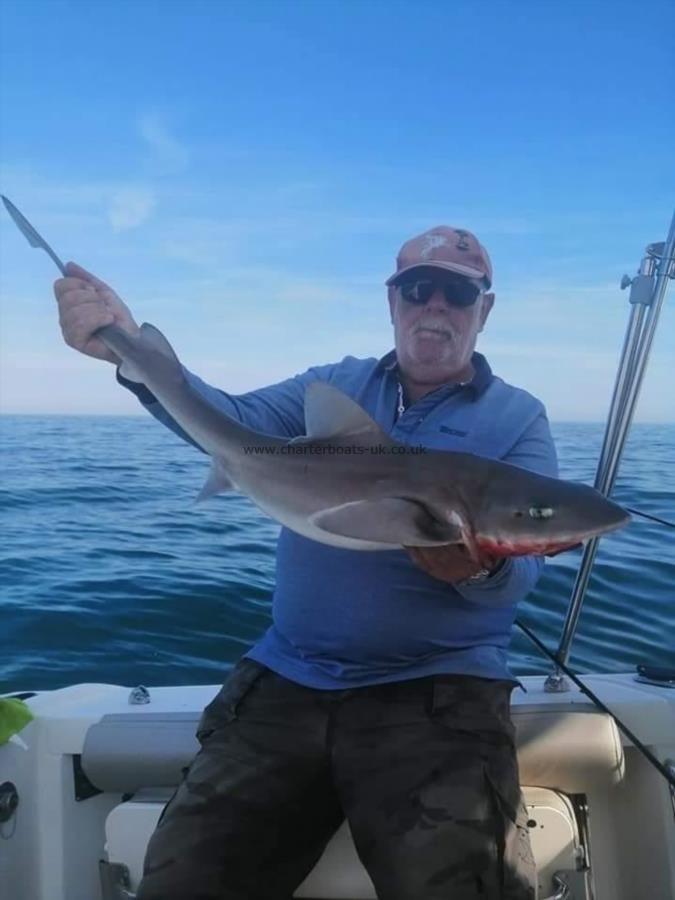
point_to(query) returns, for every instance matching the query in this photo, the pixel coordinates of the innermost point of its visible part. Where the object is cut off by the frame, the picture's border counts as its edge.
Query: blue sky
(244, 173)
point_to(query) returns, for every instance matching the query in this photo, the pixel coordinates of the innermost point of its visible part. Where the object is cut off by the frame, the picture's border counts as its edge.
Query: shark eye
(541, 512)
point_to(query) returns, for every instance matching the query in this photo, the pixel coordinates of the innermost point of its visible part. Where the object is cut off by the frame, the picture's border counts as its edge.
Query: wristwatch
(485, 574)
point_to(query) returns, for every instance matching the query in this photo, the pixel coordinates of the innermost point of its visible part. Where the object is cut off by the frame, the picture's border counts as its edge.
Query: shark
(349, 484)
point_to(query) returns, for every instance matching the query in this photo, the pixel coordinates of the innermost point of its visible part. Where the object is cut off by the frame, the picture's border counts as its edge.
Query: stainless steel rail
(647, 292)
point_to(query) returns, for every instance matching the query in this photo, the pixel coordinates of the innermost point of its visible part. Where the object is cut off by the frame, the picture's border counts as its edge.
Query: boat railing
(646, 296)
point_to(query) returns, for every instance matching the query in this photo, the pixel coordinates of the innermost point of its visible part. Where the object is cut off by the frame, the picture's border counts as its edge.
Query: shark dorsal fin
(331, 415)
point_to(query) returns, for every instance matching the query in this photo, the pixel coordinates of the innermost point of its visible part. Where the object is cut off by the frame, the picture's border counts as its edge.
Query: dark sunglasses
(457, 291)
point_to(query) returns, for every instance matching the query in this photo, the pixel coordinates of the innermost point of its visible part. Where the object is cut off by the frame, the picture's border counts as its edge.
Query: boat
(83, 784)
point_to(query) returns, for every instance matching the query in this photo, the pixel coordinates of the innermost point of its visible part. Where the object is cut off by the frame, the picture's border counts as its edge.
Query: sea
(110, 572)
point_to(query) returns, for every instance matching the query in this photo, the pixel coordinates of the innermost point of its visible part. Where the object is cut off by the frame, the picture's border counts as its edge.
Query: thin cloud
(130, 207)
(71, 206)
(168, 155)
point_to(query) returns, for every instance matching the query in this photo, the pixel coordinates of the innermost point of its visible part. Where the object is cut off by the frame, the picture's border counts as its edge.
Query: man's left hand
(451, 562)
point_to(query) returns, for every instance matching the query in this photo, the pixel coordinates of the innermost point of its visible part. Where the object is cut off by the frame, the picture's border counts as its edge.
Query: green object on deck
(14, 715)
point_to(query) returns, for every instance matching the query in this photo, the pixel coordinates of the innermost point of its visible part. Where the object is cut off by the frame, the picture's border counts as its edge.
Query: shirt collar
(476, 387)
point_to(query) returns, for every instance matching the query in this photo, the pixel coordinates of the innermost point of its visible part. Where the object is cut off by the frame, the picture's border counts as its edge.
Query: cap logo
(462, 243)
(431, 242)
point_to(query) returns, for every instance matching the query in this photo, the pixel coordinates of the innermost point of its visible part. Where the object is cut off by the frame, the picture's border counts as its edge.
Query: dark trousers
(424, 770)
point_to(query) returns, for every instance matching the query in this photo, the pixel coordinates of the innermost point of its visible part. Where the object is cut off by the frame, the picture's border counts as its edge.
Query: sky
(243, 175)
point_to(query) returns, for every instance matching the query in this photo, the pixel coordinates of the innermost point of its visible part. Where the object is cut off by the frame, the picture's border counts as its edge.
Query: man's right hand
(86, 304)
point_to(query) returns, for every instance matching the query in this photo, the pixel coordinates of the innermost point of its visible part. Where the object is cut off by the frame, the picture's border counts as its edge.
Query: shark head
(527, 514)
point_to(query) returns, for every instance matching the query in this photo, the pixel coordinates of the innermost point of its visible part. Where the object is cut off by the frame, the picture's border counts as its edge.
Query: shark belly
(292, 492)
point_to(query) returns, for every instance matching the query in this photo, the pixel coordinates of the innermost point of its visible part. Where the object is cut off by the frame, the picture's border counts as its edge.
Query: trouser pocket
(228, 702)
(518, 872)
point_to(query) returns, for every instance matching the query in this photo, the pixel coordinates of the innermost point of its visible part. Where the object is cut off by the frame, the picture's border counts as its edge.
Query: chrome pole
(648, 290)
(640, 298)
(623, 378)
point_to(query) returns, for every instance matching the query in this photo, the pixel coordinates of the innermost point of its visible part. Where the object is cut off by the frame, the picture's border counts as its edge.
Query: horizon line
(149, 417)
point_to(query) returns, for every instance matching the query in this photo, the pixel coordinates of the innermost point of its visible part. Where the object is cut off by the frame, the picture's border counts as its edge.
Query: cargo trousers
(424, 770)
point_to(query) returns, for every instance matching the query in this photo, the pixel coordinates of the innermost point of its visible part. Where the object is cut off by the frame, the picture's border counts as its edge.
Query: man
(381, 690)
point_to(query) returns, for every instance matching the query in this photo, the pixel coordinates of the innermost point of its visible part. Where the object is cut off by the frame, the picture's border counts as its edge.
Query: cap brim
(459, 269)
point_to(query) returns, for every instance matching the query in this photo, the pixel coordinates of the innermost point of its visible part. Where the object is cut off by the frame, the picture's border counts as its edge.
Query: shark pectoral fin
(218, 482)
(331, 414)
(392, 520)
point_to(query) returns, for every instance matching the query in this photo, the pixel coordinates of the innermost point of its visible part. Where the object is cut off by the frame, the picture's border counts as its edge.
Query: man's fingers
(76, 271)
(78, 326)
(85, 305)
(67, 284)
(72, 290)
(457, 552)
(447, 562)
(85, 312)
(75, 297)
(417, 554)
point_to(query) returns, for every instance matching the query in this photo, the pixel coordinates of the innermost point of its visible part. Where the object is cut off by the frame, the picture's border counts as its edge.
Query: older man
(380, 692)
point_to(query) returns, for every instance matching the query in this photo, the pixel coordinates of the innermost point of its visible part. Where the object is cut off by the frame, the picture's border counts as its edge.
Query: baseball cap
(443, 247)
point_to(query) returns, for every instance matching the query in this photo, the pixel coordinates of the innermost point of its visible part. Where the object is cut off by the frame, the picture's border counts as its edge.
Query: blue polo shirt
(345, 618)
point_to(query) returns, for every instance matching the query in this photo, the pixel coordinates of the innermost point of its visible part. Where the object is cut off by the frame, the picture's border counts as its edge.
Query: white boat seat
(570, 751)
(567, 749)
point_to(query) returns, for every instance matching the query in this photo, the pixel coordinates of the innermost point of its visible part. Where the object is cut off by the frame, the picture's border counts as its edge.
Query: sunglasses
(457, 291)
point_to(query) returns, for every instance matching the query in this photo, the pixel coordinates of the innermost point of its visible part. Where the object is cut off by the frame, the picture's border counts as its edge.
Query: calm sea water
(110, 573)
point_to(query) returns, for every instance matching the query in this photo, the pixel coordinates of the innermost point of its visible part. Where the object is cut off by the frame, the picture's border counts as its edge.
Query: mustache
(434, 325)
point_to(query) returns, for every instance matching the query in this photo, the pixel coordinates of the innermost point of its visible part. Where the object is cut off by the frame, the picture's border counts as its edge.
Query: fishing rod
(636, 512)
(668, 774)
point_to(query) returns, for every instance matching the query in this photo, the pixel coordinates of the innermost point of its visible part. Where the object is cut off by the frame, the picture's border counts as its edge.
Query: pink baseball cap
(453, 249)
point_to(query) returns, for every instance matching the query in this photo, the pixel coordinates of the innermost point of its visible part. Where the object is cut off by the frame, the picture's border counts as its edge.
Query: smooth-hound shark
(349, 484)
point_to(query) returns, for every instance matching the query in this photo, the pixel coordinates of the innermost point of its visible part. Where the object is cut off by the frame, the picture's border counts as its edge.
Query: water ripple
(111, 572)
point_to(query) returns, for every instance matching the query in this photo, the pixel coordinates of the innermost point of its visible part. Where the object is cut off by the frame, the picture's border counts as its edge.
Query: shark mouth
(503, 547)
(496, 546)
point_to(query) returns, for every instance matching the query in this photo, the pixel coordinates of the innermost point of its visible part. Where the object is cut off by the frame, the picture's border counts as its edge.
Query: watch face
(480, 576)
(484, 574)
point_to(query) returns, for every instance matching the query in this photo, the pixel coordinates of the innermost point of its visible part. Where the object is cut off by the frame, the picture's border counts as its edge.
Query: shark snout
(546, 528)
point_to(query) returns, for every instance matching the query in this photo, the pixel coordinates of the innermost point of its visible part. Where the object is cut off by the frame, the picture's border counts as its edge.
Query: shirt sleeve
(514, 580)
(276, 409)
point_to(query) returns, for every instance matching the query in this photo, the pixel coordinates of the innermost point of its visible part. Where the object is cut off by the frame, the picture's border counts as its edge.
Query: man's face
(435, 340)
